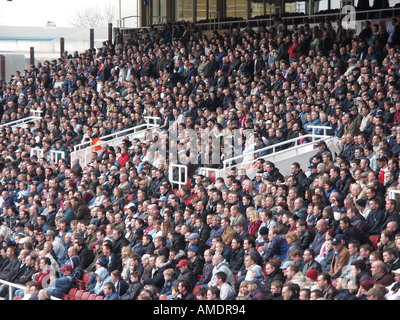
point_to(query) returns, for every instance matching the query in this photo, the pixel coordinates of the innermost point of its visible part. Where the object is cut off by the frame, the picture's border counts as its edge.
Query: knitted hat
(367, 284)
(312, 274)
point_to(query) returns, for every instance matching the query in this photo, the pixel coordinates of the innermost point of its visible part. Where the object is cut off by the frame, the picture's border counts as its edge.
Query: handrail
(20, 121)
(171, 174)
(18, 286)
(306, 15)
(228, 162)
(38, 151)
(114, 135)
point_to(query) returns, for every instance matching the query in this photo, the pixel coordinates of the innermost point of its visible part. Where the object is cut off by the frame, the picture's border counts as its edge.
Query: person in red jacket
(124, 157)
(43, 277)
(293, 54)
(254, 223)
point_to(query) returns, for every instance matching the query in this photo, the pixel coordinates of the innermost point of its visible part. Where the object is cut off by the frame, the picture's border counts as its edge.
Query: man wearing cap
(340, 258)
(63, 284)
(186, 273)
(375, 294)
(240, 230)
(196, 261)
(256, 292)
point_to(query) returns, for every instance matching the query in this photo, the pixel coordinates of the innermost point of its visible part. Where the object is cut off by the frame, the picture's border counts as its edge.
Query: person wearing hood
(102, 277)
(77, 270)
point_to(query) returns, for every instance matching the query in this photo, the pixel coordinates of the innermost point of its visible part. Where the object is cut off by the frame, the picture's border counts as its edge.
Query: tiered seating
(70, 295)
(82, 284)
(78, 295)
(85, 295)
(92, 296)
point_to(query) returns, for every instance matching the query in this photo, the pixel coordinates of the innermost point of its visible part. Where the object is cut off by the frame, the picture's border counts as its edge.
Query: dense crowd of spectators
(328, 231)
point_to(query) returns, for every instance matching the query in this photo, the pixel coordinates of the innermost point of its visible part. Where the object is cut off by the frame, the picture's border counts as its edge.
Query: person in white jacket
(394, 288)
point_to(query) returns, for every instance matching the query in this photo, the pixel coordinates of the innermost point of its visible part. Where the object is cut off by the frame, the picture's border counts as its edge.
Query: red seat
(188, 183)
(78, 295)
(70, 295)
(374, 239)
(92, 296)
(177, 192)
(85, 295)
(99, 298)
(82, 284)
(129, 198)
(16, 298)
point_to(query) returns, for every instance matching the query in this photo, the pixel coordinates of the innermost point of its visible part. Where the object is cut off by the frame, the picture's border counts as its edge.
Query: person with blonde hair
(293, 240)
(254, 223)
(126, 254)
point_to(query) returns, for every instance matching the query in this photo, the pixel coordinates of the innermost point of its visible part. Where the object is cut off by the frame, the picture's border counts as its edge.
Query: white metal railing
(210, 172)
(115, 135)
(297, 149)
(55, 155)
(272, 148)
(315, 17)
(394, 194)
(182, 180)
(20, 122)
(11, 286)
(38, 152)
(152, 120)
(82, 151)
(35, 116)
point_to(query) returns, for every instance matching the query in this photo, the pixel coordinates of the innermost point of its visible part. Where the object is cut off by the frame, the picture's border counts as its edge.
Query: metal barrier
(82, 151)
(115, 135)
(20, 122)
(38, 152)
(208, 172)
(272, 148)
(18, 286)
(394, 194)
(23, 121)
(180, 182)
(55, 155)
(311, 18)
(152, 120)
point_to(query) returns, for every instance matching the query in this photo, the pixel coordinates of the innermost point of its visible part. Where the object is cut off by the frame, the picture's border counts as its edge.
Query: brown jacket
(228, 235)
(337, 265)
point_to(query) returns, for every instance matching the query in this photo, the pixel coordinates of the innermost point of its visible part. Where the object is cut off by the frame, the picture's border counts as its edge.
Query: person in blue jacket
(278, 246)
(109, 292)
(62, 285)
